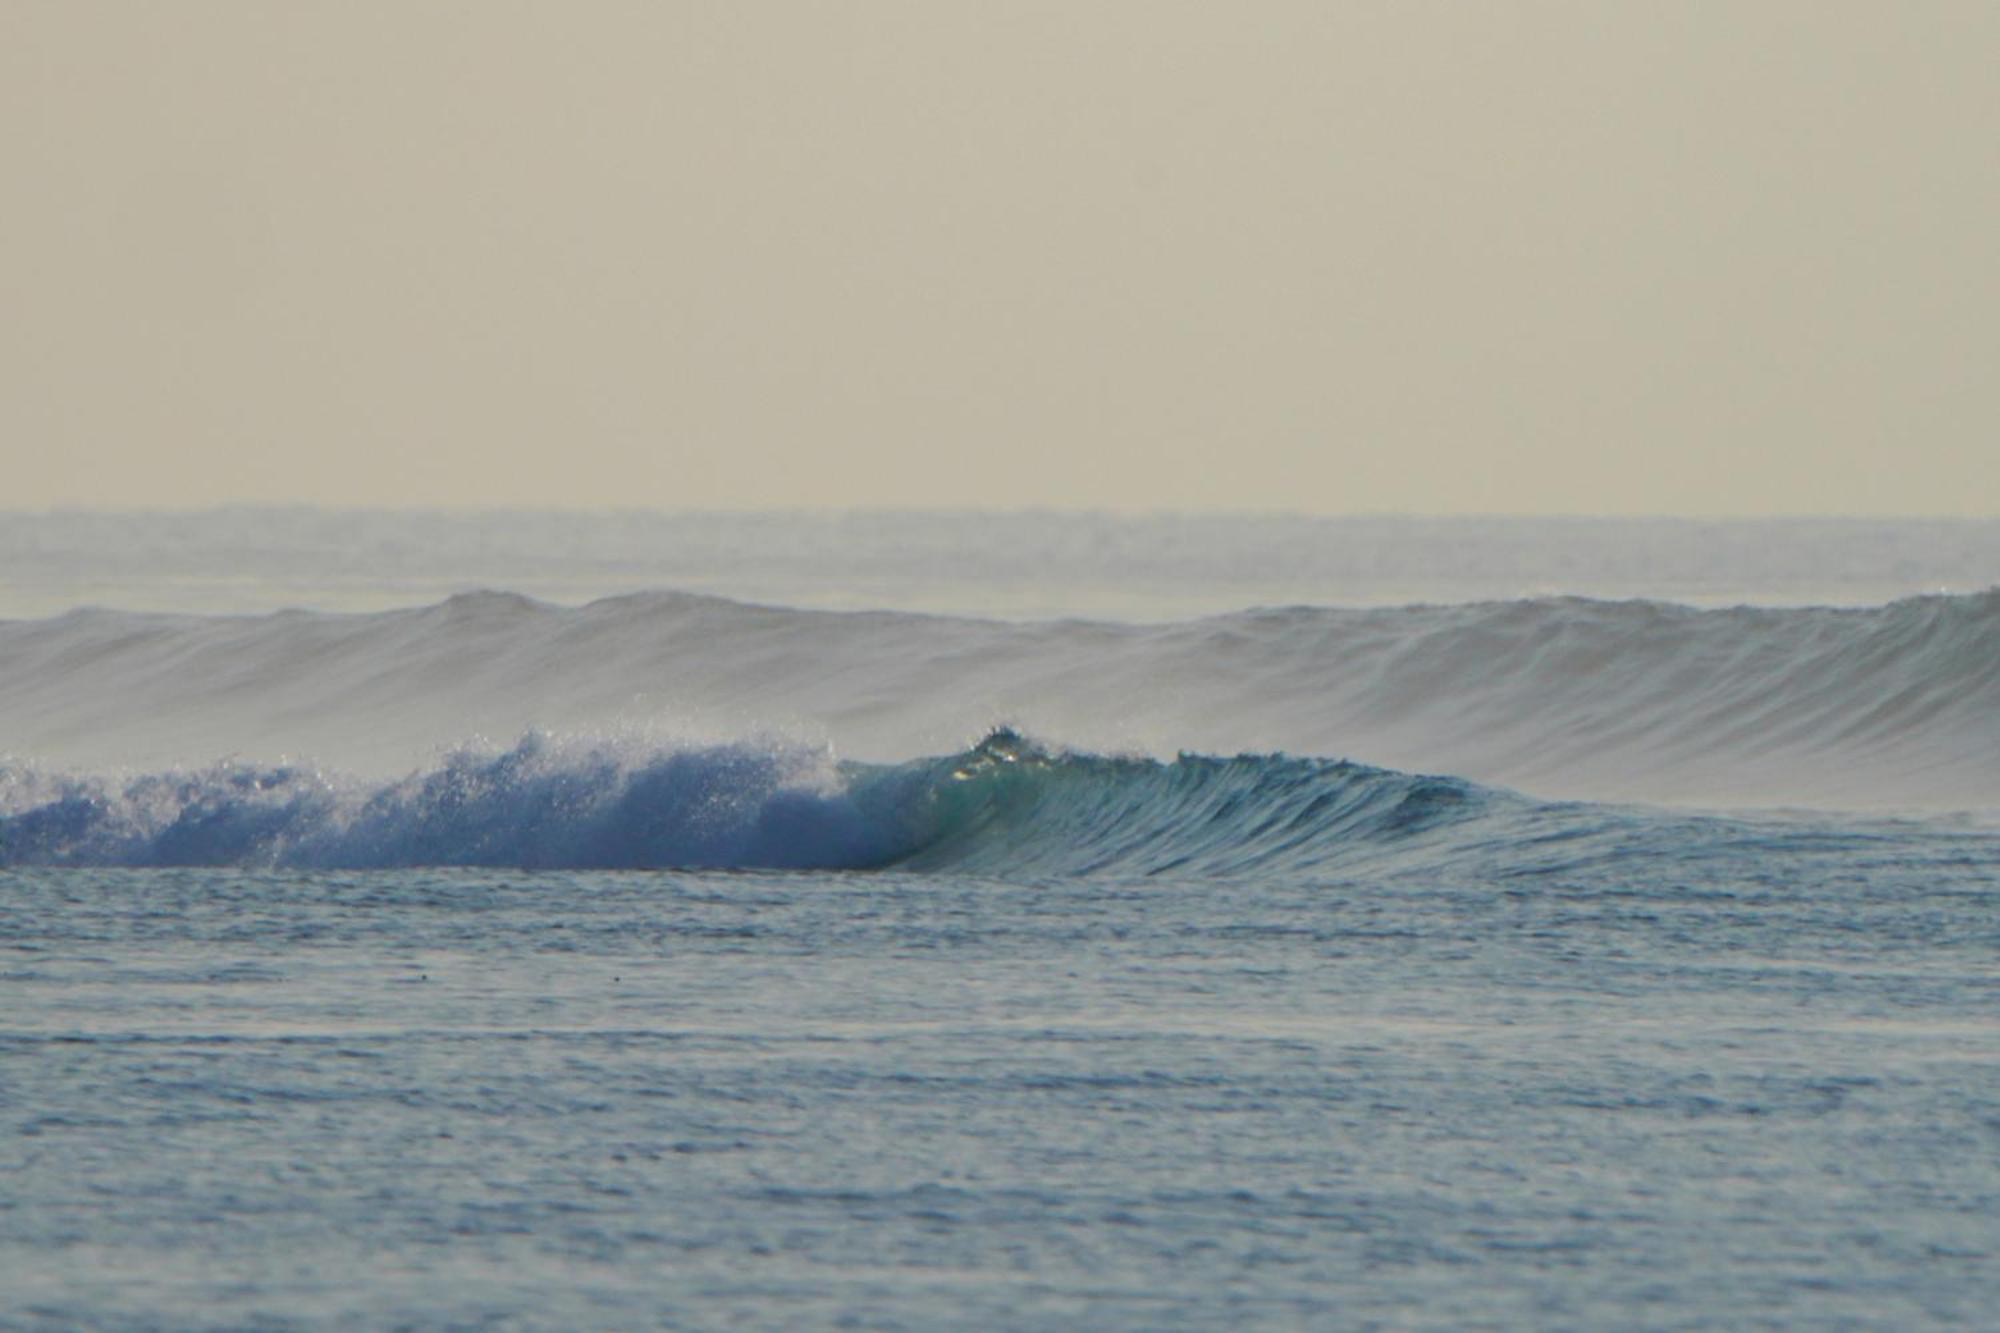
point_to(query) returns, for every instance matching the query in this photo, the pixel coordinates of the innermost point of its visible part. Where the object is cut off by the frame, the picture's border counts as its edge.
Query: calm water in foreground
(1754, 1087)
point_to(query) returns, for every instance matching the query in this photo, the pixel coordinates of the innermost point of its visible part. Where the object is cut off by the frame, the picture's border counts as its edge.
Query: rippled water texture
(1749, 1084)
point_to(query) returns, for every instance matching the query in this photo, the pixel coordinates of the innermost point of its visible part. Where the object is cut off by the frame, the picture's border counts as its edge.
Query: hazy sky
(1679, 257)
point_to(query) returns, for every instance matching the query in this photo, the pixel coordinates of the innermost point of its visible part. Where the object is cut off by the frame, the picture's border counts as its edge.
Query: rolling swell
(1005, 805)
(1893, 706)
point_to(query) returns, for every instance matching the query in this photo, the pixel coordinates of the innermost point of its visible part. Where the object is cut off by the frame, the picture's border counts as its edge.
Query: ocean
(907, 921)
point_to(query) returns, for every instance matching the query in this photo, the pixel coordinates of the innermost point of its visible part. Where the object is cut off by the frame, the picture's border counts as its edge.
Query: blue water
(1730, 1076)
(873, 988)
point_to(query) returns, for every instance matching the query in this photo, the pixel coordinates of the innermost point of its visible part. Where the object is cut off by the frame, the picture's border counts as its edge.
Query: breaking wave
(1007, 804)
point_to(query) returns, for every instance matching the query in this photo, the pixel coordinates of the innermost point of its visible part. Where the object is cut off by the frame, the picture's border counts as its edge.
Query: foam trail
(540, 804)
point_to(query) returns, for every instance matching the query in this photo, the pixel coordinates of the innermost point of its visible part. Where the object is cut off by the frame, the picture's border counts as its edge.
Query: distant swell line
(1895, 706)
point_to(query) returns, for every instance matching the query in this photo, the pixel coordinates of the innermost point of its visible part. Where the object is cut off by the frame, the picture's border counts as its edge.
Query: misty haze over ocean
(1024, 564)
(915, 664)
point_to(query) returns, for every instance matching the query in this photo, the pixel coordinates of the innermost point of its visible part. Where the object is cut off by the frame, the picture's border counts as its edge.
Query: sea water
(1478, 956)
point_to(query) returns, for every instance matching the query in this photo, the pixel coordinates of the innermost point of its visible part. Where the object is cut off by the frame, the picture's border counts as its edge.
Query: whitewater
(897, 920)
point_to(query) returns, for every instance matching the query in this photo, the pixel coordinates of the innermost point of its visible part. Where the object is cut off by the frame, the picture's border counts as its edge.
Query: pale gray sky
(1692, 257)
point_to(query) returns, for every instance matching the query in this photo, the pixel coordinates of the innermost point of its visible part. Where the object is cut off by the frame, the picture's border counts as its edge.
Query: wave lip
(1006, 805)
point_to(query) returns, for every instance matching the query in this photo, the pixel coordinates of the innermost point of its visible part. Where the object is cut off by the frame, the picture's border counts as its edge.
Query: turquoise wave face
(1011, 806)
